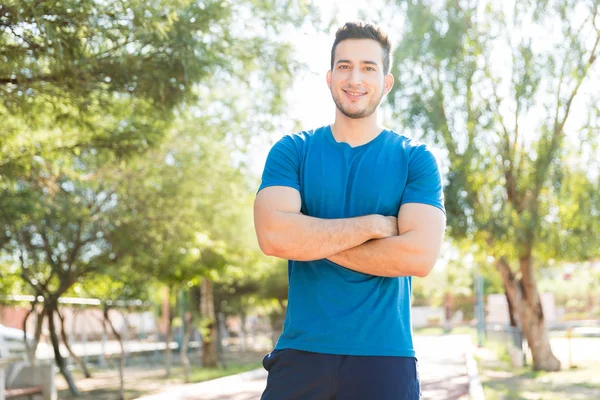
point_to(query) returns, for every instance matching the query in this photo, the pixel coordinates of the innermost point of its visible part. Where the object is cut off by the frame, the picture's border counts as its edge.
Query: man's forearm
(390, 257)
(295, 236)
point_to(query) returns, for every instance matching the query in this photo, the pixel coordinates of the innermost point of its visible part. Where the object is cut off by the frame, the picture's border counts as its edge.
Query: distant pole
(2, 383)
(479, 309)
(102, 360)
(569, 343)
(85, 339)
(182, 307)
(3, 353)
(142, 333)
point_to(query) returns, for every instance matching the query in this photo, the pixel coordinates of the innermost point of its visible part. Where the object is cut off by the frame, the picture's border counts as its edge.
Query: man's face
(357, 80)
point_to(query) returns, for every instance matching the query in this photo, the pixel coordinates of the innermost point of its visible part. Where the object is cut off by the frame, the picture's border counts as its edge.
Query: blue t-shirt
(332, 309)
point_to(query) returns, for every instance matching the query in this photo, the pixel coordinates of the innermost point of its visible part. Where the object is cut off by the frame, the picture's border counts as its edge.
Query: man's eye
(370, 69)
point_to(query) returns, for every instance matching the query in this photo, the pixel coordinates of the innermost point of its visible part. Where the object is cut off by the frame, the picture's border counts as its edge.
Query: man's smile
(354, 94)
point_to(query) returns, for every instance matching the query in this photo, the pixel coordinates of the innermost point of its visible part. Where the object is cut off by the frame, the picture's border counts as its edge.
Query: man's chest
(346, 184)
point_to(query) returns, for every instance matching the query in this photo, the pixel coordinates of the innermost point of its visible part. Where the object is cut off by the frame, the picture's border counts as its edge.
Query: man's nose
(355, 76)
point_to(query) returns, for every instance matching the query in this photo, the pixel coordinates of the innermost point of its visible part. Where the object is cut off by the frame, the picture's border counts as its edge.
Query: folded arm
(284, 232)
(412, 253)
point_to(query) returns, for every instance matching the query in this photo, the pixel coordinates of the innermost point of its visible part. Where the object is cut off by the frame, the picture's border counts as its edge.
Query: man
(358, 211)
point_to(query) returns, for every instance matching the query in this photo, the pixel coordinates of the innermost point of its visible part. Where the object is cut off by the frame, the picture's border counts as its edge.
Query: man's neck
(355, 131)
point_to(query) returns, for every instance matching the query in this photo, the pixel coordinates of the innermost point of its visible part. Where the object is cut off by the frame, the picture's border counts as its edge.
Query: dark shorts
(301, 375)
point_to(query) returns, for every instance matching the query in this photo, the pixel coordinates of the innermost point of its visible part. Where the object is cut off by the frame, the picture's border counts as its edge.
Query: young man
(358, 211)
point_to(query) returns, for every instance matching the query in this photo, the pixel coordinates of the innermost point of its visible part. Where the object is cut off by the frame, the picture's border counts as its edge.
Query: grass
(523, 384)
(501, 381)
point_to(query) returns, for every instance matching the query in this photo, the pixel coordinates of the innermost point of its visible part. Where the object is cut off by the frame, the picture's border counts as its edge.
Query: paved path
(442, 368)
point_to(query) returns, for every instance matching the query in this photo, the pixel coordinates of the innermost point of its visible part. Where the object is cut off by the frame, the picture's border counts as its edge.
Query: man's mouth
(354, 94)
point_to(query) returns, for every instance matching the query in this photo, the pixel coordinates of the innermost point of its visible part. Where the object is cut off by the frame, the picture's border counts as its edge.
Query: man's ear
(328, 77)
(388, 83)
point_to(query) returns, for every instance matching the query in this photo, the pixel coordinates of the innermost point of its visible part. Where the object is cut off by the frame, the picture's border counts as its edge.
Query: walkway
(443, 370)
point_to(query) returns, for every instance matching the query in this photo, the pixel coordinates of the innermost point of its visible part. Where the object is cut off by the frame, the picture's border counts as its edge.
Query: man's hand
(390, 227)
(411, 251)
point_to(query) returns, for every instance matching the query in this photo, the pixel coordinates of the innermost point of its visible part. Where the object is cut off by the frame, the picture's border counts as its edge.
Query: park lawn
(104, 384)
(501, 381)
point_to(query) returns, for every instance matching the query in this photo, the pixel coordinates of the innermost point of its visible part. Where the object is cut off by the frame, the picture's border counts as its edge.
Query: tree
(275, 294)
(107, 76)
(115, 294)
(476, 78)
(87, 88)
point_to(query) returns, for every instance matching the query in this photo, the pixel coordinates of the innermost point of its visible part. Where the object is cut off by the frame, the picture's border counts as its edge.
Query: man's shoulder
(399, 140)
(298, 141)
(306, 135)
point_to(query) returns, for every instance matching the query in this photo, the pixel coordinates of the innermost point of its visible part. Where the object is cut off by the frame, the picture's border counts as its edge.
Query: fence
(512, 338)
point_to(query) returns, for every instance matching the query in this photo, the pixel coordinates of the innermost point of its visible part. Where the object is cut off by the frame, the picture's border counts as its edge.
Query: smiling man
(357, 210)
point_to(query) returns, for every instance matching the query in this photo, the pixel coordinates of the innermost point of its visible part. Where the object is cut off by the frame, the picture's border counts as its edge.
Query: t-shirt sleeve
(424, 183)
(283, 165)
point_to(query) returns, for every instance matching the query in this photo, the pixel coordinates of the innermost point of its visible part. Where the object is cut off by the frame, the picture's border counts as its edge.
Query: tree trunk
(102, 361)
(31, 348)
(512, 312)
(185, 361)
(65, 339)
(168, 340)
(243, 333)
(168, 315)
(220, 333)
(447, 312)
(209, 331)
(526, 300)
(122, 358)
(52, 307)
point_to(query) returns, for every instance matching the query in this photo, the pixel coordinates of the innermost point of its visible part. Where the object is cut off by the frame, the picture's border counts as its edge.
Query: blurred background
(133, 135)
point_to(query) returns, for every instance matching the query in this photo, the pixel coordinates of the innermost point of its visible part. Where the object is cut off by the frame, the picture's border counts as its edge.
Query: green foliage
(572, 221)
(118, 123)
(502, 89)
(574, 286)
(121, 122)
(476, 79)
(83, 76)
(11, 281)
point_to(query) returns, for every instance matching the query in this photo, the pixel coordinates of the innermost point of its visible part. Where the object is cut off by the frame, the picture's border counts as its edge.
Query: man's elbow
(428, 262)
(267, 245)
(422, 266)
(272, 245)
(424, 269)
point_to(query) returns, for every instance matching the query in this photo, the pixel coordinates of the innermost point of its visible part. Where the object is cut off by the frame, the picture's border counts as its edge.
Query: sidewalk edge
(475, 387)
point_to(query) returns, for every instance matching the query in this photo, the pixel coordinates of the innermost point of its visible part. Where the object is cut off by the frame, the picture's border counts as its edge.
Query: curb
(475, 387)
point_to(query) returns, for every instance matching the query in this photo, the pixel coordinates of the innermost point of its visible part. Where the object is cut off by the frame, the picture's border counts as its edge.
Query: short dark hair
(362, 30)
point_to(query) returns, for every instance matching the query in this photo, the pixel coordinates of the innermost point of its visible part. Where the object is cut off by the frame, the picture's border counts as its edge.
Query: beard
(365, 112)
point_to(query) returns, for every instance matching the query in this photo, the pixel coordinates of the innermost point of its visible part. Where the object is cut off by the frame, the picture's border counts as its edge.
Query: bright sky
(309, 100)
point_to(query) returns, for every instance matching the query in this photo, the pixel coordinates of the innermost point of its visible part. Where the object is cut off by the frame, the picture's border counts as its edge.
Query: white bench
(19, 380)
